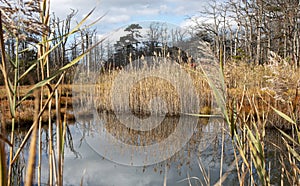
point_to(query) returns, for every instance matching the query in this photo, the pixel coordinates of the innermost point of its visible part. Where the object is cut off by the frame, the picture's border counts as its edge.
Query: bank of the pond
(244, 107)
(252, 93)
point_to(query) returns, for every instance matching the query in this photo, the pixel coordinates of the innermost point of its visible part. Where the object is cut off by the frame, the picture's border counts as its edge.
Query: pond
(89, 161)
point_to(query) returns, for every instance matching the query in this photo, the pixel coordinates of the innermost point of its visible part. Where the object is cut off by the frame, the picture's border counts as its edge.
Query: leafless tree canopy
(251, 29)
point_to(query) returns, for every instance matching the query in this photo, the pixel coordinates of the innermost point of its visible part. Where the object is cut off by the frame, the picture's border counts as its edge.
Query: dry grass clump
(22, 19)
(24, 114)
(24, 117)
(143, 92)
(251, 92)
(254, 90)
(65, 91)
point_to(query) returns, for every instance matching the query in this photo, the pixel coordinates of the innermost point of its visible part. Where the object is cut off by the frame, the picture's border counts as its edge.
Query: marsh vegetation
(53, 86)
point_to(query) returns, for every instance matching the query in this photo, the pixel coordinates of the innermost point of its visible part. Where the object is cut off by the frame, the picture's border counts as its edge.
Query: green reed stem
(13, 108)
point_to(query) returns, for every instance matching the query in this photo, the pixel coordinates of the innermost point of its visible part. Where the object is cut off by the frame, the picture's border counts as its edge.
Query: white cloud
(116, 19)
(120, 12)
(196, 19)
(148, 11)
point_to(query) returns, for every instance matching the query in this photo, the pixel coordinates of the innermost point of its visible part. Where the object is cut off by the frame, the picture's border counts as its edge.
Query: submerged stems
(222, 152)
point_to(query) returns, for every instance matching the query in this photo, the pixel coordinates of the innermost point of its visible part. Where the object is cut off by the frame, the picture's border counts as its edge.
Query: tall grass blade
(35, 123)
(293, 152)
(3, 167)
(284, 116)
(61, 70)
(289, 137)
(258, 155)
(32, 152)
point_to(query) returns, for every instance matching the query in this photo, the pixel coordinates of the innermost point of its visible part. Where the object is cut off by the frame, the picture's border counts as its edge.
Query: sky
(119, 13)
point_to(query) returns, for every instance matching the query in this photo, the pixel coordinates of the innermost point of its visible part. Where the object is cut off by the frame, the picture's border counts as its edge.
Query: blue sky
(124, 12)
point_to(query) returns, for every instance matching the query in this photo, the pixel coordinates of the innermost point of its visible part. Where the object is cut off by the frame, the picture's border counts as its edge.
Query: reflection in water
(83, 163)
(122, 144)
(204, 147)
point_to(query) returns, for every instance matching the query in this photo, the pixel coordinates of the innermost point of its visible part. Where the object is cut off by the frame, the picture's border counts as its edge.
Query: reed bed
(260, 86)
(19, 21)
(25, 113)
(254, 90)
(261, 97)
(257, 97)
(253, 104)
(251, 93)
(148, 88)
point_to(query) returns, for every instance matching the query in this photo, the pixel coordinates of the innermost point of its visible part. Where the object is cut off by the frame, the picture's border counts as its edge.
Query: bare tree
(251, 29)
(61, 29)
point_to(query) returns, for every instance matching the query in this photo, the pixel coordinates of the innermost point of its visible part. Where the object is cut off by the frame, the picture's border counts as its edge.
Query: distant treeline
(251, 30)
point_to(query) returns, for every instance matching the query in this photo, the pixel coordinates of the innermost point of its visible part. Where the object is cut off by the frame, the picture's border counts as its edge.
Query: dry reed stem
(148, 88)
(59, 133)
(32, 151)
(35, 122)
(3, 168)
(240, 79)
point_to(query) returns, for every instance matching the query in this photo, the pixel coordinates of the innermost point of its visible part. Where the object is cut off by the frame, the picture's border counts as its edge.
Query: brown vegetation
(24, 114)
(251, 91)
(255, 90)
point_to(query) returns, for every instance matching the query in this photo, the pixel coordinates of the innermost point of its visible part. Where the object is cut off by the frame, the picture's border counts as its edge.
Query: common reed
(256, 97)
(143, 92)
(21, 21)
(250, 91)
(259, 97)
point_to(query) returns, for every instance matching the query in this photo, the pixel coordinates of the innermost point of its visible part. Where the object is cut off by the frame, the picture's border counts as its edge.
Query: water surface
(200, 158)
